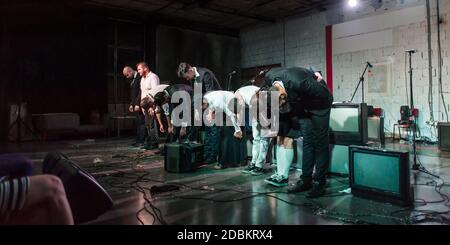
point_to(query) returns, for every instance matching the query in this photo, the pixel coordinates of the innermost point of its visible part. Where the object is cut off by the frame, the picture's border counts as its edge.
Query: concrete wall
(379, 36)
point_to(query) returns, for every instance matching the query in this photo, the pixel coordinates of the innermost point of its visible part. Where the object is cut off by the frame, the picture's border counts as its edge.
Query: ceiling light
(352, 3)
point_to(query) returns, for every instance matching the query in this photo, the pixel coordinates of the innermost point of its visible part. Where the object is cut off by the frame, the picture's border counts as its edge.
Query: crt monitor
(380, 174)
(348, 124)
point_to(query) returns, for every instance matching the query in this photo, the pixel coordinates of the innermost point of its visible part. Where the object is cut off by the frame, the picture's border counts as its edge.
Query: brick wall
(304, 45)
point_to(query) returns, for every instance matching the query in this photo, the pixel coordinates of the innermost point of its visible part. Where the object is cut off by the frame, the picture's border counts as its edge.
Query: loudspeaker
(339, 160)
(370, 111)
(444, 136)
(181, 158)
(405, 113)
(87, 198)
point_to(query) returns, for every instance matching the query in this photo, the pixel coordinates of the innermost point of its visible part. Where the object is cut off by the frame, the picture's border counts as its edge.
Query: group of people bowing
(289, 103)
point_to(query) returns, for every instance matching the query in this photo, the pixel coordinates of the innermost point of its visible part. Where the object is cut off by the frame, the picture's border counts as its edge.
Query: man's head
(147, 103)
(186, 72)
(205, 104)
(143, 69)
(161, 98)
(128, 72)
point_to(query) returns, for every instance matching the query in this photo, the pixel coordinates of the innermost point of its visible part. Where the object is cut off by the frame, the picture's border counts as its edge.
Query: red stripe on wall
(329, 56)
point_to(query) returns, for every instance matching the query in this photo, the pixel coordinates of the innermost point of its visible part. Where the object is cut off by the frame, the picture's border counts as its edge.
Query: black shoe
(249, 169)
(137, 144)
(257, 171)
(151, 147)
(219, 167)
(210, 161)
(317, 190)
(301, 186)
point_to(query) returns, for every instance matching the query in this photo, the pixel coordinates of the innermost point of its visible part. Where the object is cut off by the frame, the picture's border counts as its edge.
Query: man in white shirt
(232, 148)
(219, 101)
(244, 97)
(149, 81)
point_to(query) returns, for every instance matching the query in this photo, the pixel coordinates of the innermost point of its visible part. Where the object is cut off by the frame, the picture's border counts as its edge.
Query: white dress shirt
(247, 93)
(148, 83)
(157, 89)
(219, 100)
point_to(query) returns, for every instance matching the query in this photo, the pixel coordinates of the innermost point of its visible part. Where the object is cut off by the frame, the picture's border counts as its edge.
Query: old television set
(444, 136)
(380, 175)
(375, 130)
(348, 124)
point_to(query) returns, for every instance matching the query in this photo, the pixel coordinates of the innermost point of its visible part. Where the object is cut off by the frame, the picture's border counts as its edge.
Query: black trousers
(190, 135)
(141, 131)
(232, 151)
(152, 132)
(315, 130)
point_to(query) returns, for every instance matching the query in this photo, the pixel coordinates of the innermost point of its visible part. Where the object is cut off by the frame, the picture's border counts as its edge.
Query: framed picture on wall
(379, 79)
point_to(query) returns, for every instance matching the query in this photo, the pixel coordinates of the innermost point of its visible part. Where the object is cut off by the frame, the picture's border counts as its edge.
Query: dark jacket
(208, 80)
(302, 87)
(171, 90)
(135, 95)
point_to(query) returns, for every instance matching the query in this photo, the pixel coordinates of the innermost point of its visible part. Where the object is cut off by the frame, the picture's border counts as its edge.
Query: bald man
(135, 98)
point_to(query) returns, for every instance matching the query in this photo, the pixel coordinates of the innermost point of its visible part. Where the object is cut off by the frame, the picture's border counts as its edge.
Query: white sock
(279, 161)
(287, 157)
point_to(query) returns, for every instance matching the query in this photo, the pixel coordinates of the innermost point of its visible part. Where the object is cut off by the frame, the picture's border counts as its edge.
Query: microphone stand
(415, 166)
(361, 82)
(230, 76)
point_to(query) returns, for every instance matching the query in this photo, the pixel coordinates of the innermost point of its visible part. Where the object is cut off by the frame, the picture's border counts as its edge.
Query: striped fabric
(13, 194)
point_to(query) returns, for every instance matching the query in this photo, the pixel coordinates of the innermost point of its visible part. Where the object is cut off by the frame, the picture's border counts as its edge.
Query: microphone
(370, 65)
(411, 51)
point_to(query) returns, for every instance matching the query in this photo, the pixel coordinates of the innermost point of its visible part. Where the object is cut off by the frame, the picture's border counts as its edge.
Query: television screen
(344, 119)
(377, 172)
(348, 124)
(380, 174)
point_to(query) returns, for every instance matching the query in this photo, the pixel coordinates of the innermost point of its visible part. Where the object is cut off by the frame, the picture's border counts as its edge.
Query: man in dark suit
(206, 78)
(135, 87)
(305, 95)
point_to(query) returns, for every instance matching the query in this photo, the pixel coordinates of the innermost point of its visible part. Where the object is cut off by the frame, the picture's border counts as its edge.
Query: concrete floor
(226, 197)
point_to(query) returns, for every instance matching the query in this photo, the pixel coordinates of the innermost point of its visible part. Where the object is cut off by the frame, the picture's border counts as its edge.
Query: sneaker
(274, 176)
(317, 190)
(137, 144)
(301, 186)
(279, 181)
(257, 171)
(249, 169)
(219, 167)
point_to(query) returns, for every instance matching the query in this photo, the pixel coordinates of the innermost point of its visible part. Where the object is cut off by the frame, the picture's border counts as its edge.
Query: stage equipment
(181, 158)
(361, 82)
(339, 160)
(412, 112)
(348, 123)
(380, 175)
(87, 198)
